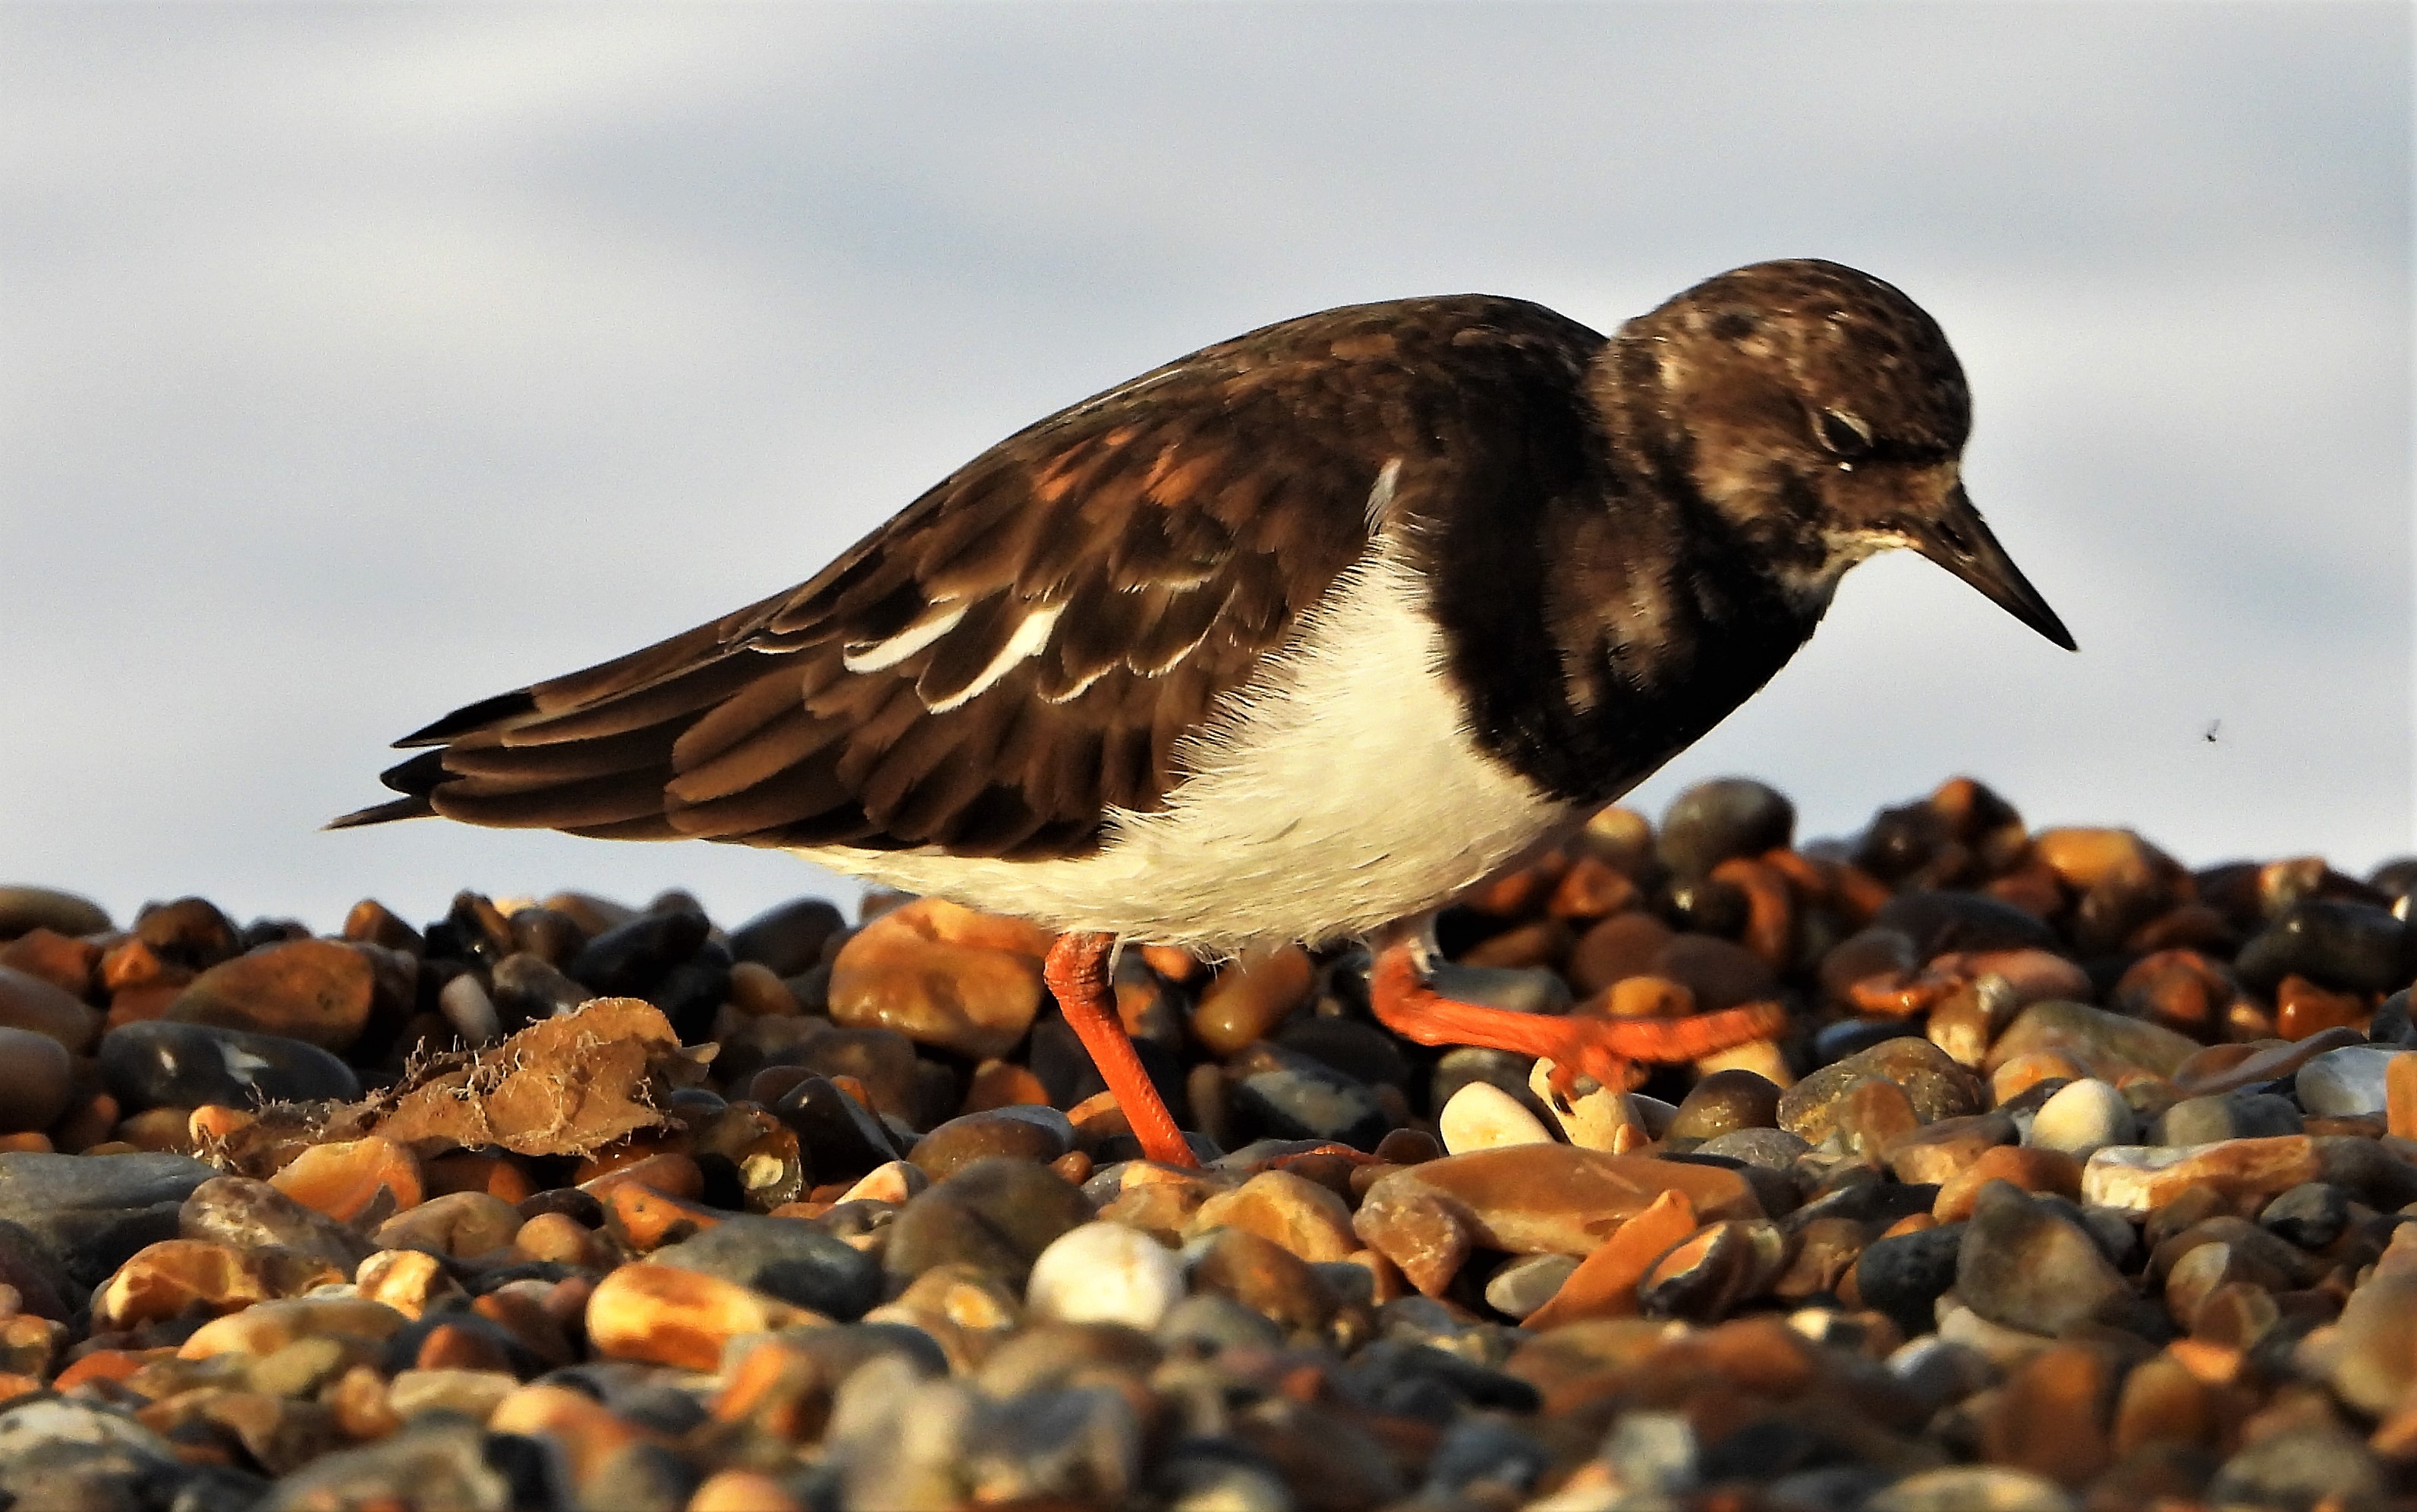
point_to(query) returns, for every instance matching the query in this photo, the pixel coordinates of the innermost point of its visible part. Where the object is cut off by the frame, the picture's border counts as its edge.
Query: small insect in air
(2214, 728)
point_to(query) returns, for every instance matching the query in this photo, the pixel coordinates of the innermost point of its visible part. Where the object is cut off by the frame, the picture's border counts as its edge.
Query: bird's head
(1821, 415)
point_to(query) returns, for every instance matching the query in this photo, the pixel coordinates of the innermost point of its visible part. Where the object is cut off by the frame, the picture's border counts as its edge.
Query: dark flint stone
(189, 932)
(1514, 989)
(43, 1283)
(1938, 922)
(1770, 1149)
(478, 1282)
(1714, 821)
(1214, 1322)
(583, 1208)
(1389, 1361)
(1834, 1042)
(1483, 1449)
(842, 1139)
(796, 1262)
(2391, 1023)
(528, 989)
(261, 932)
(481, 931)
(2352, 947)
(692, 991)
(788, 937)
(2025, 1265)
(219, 1488)
(883, 1059)
(1900, 842)
(247, 1215)
(2311, 1215)
(1362, 1051)
(72, 1455)
(628, 960)
(1865, 953)
(1872, 1201)
(94, 1212)
(1763, 1449)
(551, 937)
(657, 1405)
(1724, 1103)
(1281, 1093)
(1905, 1276)
(437, 1461)
(1708, 908)
(157, 1064)
(1067, 1074)
(24, 910)
(995, 1215)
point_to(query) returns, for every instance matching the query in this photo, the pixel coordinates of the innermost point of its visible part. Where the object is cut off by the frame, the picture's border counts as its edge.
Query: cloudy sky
(359, 361)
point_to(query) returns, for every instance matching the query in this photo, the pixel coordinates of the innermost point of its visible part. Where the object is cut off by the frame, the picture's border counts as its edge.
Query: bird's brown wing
(1023, 648)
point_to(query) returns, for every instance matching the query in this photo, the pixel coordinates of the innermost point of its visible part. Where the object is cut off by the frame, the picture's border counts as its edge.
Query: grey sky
(356, 362)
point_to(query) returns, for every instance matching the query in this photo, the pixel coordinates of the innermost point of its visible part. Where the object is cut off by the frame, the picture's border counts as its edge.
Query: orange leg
(1077, 974)
(1577, 1043)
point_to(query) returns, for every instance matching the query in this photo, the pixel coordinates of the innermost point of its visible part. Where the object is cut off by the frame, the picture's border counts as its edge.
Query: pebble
(1930, 1256)
(24, 910)
(1105, 1273)
(318, 991)
(2083, 1116)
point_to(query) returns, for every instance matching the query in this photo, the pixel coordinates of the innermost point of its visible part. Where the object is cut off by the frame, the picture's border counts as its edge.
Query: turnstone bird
(1292, 638)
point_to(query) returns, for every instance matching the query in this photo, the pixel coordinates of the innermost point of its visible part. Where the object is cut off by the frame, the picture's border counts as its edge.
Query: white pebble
(469, 1011)
(1482, 1117)
(1105, 1273)
(2083, 1117)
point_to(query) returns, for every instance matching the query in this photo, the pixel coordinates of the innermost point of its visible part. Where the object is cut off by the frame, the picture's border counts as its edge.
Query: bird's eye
(1842, 435)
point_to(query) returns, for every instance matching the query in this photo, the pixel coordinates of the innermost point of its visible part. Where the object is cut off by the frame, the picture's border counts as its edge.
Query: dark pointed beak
(1959, 540)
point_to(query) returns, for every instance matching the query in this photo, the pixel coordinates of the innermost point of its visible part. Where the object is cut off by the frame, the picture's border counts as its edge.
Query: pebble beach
(2076, 1179)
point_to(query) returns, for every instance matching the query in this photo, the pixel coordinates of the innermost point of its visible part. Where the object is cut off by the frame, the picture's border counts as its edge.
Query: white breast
(1337, 793)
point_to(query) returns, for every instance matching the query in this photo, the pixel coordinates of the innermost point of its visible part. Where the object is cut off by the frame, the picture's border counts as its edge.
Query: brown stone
(2051, 1416)
(1647, 997)
(2106, 1044)
(2019, 1074)
(24, 910)
(2032, 1169)
(1592, 888)
(318, 991)
(409, 1281)
(462, 1224)
(666, 1316)
(2163, 1402)
(1305, 1219)
(2141, 1178)
(265, 1327)
(942, 976)
(67, 963)
(1937, 1153)
(1623, 945)
(2301, 1008)
(162, 1280)
(2400, 1095)
(365, 1181)
(1720, 973)
(1003, 1085)
(971, 1137)
(2180, 989)
(1873, 1114)
(2221, 1068)
(1554, 1199)
(40, 1008)
(1267, 1278)
(1714, 1270)
(1250, 997)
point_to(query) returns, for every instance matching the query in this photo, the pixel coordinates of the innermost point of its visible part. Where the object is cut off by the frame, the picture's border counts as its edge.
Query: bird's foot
(1076, 972)
(1577, 1044)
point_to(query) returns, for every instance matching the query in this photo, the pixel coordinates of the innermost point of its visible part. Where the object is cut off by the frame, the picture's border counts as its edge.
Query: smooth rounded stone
(29, 1004)
(1718, 974)
(2335, 943)
(788, 937)
(265, 1327)
(467, 1006)
(668, 1315)
(471, 1394)
(1973, 1489)
(24, 910)
(1482, 1117)
(318, 991)
(1933, 1086)
(462, 1224)
(1105, 1273)
(842, 1138)
(157, 1064)
(2392, 1025)
(527, 987)
(2311, 1215)
(1770, 1149)
(1279, 1093)
(73, 1455)
(1023, 1133)
(1725, 1102)
(1552, 1199)
(2024, 1265)
(942, 976)
(1939, 1152)
(1527, 1283)
(2081, 1117)
(996, 1215)
(1307, 1219)
(1942, 922)
(1729, 816)
(1208, 1476)
(2302, 1467)
(1514, 989)
(2106, 1044)
(2374, 1363)
(1211, 1322)
(2236, 1116)
(797, 1262)
(629, 959)
(1903, 1276)
(2344, 1083)
(162, 1280)
(1253, 995)
(1362, 1051)
(2034, 1171)
(92, 1213)
(438, 1461)
(36, 1080)
(254, 1214)
(364, 1181)
(1835, 1042)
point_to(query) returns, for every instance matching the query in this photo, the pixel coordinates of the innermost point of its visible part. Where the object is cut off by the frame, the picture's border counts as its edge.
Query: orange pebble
(1650, 997)
(215, 1121)
(354, 1181)
(557, 1236)
(464, 1172)
(742, 1491)
(34, 1141)
(671, 1174)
